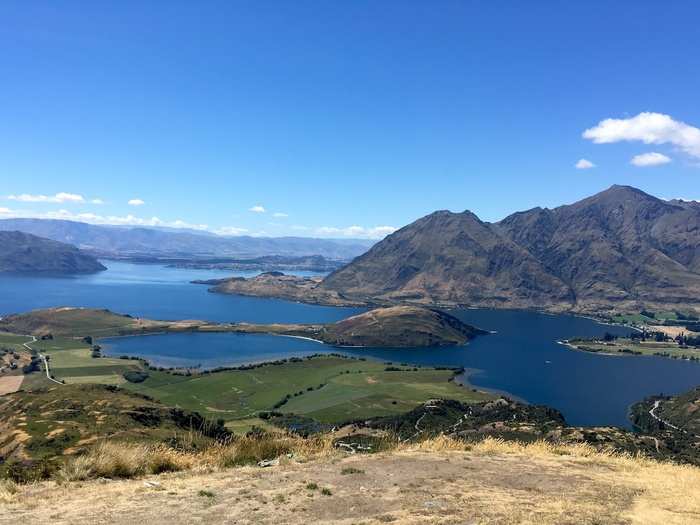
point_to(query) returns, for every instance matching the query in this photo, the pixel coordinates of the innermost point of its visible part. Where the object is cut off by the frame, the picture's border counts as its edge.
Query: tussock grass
(8, 490)
(114, 459)
(251, 449)
(124, 460)
(496, 446)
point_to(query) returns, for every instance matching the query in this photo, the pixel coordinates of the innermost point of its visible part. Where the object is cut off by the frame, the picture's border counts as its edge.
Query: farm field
(625, 346)
(71, 360)
(329, 388)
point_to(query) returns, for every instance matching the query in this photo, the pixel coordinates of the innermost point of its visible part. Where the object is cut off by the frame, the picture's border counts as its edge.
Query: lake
(156, 292)
(522, 357)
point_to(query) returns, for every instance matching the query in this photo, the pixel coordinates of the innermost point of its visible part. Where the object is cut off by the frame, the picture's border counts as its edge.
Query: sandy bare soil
(9, 384)
(411, 486)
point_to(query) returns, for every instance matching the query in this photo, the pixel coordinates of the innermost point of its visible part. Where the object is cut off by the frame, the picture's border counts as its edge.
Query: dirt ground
(10, 384)
(411, 486)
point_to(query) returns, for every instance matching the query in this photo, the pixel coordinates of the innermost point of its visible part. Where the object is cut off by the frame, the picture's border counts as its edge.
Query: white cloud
(359, 232)
(136, 202)
(92, 218)
(584, 164)
(649, 159)
(230, 230)
(97, 201)
(280, 215)
(649, 128)
(257, 209)
(59, 197)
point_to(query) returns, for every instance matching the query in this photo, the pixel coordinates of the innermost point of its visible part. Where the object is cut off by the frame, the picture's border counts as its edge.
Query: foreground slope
(621, 249)
(24, 253)
(439, 481)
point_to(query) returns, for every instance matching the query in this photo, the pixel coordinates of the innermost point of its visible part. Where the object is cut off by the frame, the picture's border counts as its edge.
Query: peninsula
(398, 326)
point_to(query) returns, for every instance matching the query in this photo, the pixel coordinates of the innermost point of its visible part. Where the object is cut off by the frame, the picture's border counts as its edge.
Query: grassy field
(639, 319)
(13, 341)
(71, 360)
(330, 389)
(625, 346)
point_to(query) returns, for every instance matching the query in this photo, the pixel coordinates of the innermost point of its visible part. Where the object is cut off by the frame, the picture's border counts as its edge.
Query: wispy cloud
(280, 215)
(584, 164)
(649, 128)
(257, 209)
(649, 159)
(136, 202)
(230, 230)
(358, 232)
(92, 218)
(97, 201)
(61, 197)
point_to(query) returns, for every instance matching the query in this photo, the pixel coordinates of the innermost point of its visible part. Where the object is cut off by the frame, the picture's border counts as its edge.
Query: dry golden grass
(8, 491)
(113, 459)
(124, 460)
(665, 492)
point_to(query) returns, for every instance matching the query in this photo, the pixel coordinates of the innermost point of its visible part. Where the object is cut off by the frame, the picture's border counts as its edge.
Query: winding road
(666, 423)
(43, 358)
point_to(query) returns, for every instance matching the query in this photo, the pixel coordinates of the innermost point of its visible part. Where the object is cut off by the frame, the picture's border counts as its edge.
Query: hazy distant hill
(25, 253)
(620, 249)
(116, 240)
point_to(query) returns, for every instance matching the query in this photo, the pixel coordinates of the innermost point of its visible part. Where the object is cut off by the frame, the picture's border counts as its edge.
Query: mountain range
(620, 249)
(106, 241)
(24, 253)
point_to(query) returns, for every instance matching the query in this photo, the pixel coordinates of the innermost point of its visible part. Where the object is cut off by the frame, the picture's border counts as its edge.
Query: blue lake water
(156, 292)
(522, 358)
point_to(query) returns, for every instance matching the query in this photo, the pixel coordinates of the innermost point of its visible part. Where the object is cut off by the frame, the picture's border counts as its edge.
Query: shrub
(351, 470)
(29, 471)
(135, 376)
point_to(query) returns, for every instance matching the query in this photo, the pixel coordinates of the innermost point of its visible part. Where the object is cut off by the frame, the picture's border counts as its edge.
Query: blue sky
(340, 118)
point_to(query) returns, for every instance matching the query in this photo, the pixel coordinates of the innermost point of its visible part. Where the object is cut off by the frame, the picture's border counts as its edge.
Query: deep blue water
(156, 292)
(522, 358)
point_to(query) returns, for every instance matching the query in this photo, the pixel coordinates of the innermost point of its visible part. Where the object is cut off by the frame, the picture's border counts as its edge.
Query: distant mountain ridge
(25, 253)
(121, 240)
(619, 249)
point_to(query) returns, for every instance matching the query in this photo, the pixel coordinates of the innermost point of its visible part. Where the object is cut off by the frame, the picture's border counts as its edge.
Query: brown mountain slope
(452, 258)
(618, 250)
(25, 253)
